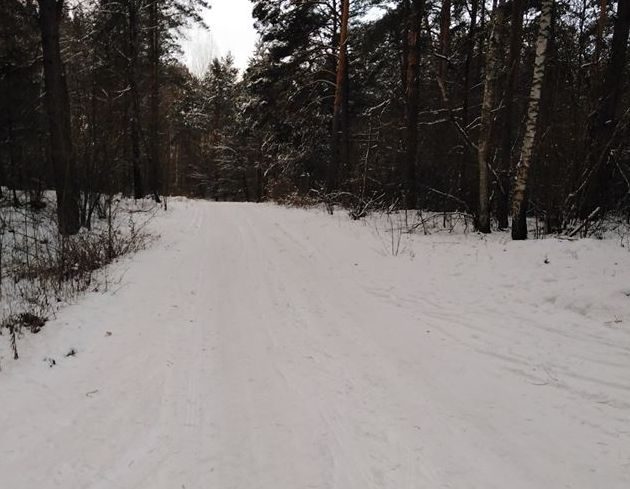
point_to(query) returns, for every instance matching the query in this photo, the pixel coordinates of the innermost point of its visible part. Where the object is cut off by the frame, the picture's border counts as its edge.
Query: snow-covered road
(256, 347)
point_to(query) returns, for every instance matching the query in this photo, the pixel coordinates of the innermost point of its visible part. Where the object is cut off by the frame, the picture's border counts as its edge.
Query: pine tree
(58, 110)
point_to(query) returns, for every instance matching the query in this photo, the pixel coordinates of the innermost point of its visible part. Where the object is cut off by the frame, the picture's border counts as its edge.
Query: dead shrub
(39, 269)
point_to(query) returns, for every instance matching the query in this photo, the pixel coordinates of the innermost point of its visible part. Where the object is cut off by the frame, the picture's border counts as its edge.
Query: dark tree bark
(339, 126)
(504, 166)
(12, 157)
(134, 96)
(470, 51)
(404, 34)
(445, 31)
(613, 79)
(57, 104)
(3, 180)
(605, 120)
(599, 33)
(411, 103)
(488, 117)
(154, 100)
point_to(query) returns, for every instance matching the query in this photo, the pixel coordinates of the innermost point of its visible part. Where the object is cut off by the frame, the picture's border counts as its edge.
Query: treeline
(502, 109)
(498, 109)
(87, 91)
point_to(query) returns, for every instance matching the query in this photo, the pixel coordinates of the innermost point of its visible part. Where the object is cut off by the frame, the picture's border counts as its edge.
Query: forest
(386, 246)
(502, 110)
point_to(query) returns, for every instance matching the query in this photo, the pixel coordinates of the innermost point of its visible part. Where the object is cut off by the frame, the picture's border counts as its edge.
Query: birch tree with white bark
(519, 197)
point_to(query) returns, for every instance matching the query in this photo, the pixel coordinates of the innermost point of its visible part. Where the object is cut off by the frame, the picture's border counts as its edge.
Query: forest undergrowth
(40, 269)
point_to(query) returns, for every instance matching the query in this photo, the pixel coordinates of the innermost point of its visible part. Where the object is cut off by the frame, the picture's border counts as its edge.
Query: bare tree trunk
(345, 125)
(605, 120)
(13, 163)
(599, 33)
(614, 80)
(445, 31)
(134, 120)
(487, 118)
(57, 104)
(339, 106)
(154, 100)
(519, 204)
(404, 45)
(3, 180)
(411, 105)
(470, 51)
(505, 160)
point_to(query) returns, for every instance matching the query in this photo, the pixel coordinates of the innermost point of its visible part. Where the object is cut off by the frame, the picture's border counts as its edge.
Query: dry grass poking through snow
(41, 270)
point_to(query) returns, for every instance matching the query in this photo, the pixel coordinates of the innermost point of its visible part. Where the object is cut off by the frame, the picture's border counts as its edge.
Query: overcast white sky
(231, 30)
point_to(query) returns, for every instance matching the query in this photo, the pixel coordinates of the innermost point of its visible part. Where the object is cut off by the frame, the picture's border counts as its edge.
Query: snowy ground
(257, 347)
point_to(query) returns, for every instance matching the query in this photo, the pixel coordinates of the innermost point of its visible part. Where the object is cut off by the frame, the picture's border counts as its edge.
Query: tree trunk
(470, 51)
(57, 104)
(13, 163)
(599, 33)
(154, 101)
(613, 79)
(605, 120)
(519, 205)
(404, 45)
(487, 118)
(134, 120)
(411, 105)
(505, 159)
(445, 31)
(340, 105)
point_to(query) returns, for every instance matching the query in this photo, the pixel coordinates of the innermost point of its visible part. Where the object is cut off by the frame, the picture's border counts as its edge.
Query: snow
(256, 346)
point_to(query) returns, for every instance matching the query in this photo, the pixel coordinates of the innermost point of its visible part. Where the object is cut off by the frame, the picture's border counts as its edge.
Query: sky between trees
(230, 29)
